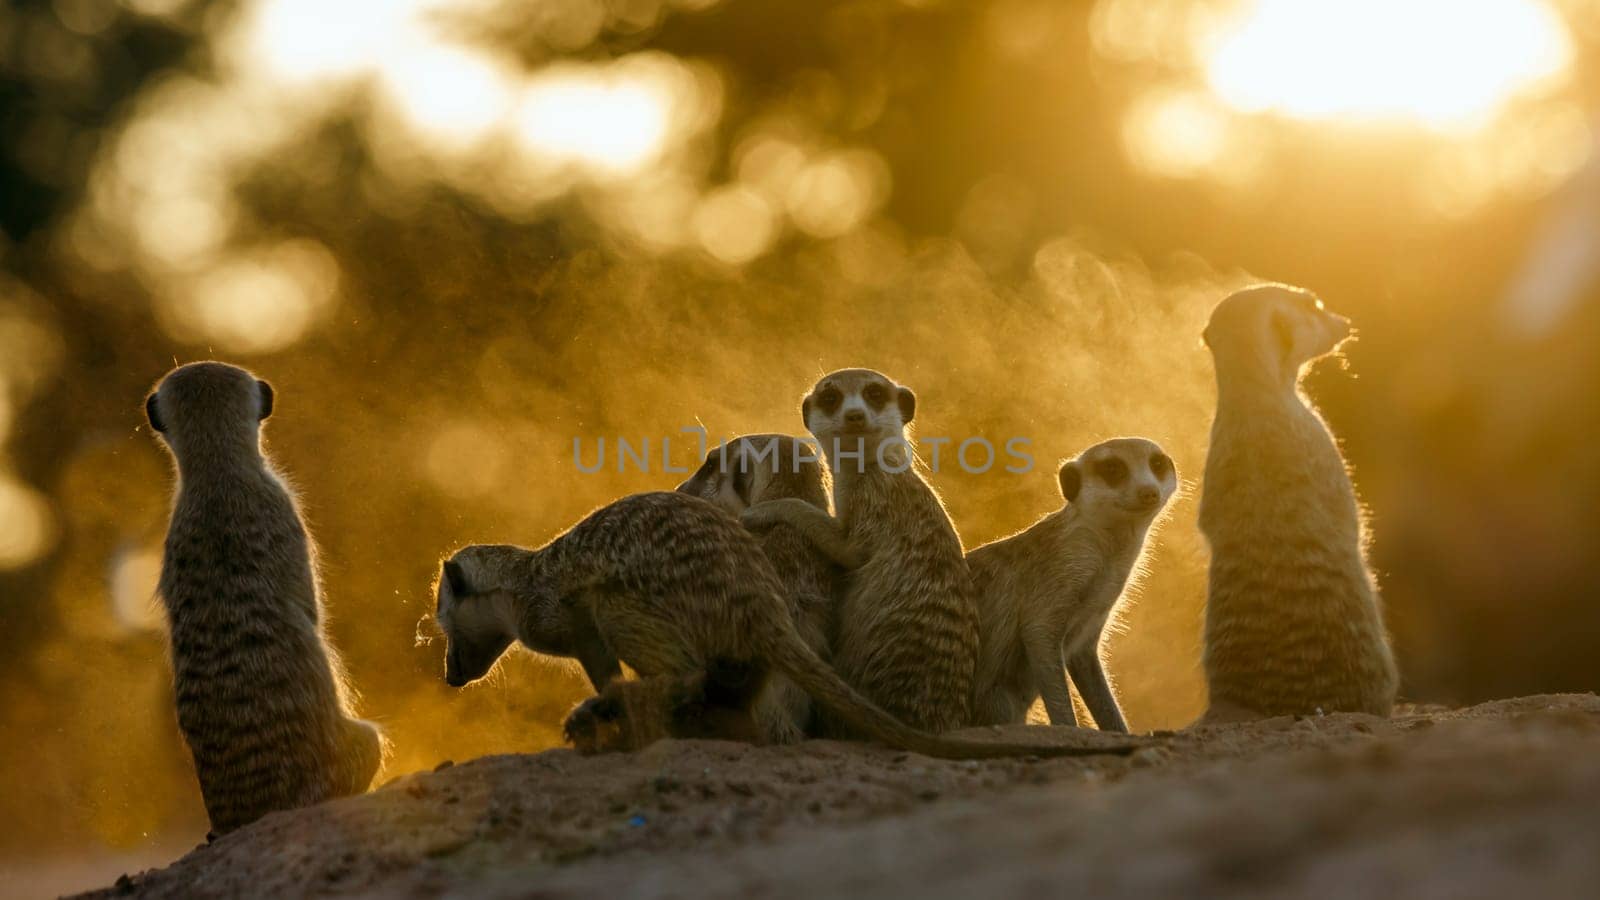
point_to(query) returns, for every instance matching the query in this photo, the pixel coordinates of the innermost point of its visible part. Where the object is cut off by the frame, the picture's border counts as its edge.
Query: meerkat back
(758, 468)
(1293, 624)
(258, 693)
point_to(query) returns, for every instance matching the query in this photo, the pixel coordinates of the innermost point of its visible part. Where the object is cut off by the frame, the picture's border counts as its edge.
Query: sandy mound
(1495, 800)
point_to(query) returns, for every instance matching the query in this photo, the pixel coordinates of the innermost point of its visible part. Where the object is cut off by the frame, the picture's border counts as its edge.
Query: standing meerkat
(908, 622)
(1046, 593)
(260, 695)
(1292, 618)
(755, 468)
(684, 595)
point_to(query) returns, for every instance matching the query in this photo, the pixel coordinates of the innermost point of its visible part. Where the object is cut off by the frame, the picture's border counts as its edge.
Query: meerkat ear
(456, 577)
(266, 400)
(805, 409)
(153, 413)
(908, 404)
(1071, 481)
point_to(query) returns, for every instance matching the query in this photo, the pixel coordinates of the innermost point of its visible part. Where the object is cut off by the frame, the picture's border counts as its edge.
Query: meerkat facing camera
(908, 621)
(755, 468)
(1046, 593)
(1293, 624)
(260, 696)
(684, 596)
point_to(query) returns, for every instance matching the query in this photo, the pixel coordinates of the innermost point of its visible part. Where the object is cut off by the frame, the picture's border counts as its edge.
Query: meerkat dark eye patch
(266, 400)
(876, 394)
(153, 412)
(828, 400)
(1160, 465)
(1112, 471)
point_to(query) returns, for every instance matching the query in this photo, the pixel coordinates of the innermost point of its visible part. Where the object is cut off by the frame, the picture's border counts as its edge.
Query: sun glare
(1446, 64)
(606, 121)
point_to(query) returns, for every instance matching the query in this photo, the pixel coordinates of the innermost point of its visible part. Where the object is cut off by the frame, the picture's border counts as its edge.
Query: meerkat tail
(364, 749)
(791, 656)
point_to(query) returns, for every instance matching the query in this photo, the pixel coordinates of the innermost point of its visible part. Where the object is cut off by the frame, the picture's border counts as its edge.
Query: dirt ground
(1497, 800)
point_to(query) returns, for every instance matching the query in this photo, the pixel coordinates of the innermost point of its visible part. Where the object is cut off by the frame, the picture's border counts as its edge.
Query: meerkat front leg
(1043, 649)
(823, 531)
(1090, 678)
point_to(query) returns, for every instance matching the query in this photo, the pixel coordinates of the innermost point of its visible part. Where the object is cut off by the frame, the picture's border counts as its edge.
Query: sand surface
(1496, 800)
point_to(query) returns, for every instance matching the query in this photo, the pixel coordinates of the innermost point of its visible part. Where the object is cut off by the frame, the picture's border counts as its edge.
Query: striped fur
(756, 468)
(1293, 624)
(260, 696)
(908, 623)
(683, 595)
(1046, 594)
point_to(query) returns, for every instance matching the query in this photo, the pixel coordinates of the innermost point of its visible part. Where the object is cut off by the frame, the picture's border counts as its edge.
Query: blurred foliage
(448, 283)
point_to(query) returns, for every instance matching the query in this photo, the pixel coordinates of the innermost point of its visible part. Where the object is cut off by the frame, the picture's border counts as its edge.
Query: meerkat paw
(597, 726)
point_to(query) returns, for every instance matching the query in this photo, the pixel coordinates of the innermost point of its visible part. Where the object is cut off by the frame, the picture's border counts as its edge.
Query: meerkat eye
(1111, 471)
(876, 395)
(1160, 465)
(828, 399)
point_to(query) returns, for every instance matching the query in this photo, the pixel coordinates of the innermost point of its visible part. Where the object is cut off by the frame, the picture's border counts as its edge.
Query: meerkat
(1046, 594)
(908, 620)
(1293, 624)
(260, 696)
(755, 468)
(682, 594)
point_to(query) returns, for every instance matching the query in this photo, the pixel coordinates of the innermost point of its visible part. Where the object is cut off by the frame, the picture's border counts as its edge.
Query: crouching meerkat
(260, 695)
(1045, 594)
(908, 620)
(755, 468)
(685, 596)
(1293, 624)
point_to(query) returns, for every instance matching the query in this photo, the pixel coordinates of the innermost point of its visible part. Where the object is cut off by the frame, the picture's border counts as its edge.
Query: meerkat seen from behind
(908, 622)
(755, 468)
(1046, 594)
(684, 595)
(1293, 624)
(259, 693)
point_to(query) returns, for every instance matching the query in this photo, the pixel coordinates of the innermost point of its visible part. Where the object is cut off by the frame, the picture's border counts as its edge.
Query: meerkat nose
(855, 417)
(1149, 496)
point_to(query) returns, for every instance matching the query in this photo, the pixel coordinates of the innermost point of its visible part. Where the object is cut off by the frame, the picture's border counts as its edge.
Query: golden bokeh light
(1176, 132)
(465, 460)
(135, 572)
(27, 527)
(450, 96)
(603, 122)
(735, 224)
(835, 193)
(1442, 64)
(257, 302)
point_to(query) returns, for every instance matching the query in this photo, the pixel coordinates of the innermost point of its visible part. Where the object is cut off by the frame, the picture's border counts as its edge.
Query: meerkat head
(476, 611)
(754, 468)
(857, 410)
(1127, 479)
(207, 399)
(1275, 329)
